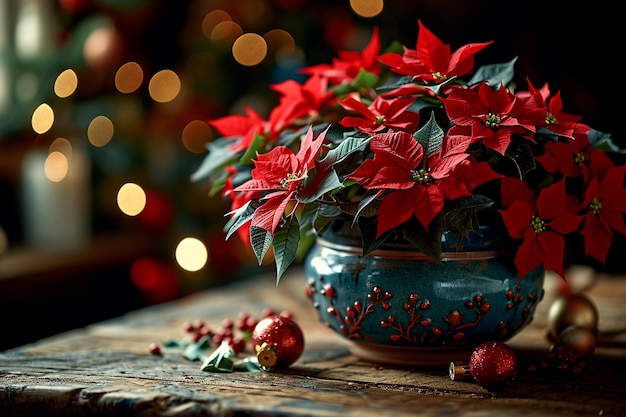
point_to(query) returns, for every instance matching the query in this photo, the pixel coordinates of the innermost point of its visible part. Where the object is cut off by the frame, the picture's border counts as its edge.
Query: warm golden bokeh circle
(131, 199)
(195, 136)
(367, 8)
(280, 41)
(56, 166)
(66, 83)
(61, 145)
(249, 49)
(164, 86)
(128, 77)
(43, 118)
(212, 19)
(191, 254)
(226, 31)
(100, 131)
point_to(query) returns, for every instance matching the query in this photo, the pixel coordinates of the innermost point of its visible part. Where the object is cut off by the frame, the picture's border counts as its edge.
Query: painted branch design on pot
(350, 323)
(515, 300)
(418, 328)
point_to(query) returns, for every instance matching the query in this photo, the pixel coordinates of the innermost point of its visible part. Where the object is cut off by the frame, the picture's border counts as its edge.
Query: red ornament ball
(278, 342)
(493, 365)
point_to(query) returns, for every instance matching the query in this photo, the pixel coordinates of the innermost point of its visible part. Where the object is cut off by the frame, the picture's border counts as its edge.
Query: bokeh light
(195, 136)
(128, 77)
(155, 279)
(43, 118)
(249, 49)
(61, 145)
(131, 199)
(280, 42)
(212, 19)
(104, 48)
(56, 166)
(66, 83)
(226, 32)
(367, 8)
(191, 254)
(164, 86)
(100, 131)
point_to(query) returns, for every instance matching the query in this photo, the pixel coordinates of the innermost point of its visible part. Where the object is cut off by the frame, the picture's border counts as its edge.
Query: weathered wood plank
(106, 369)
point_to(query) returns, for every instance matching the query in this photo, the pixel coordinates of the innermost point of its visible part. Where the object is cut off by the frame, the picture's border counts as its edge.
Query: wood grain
(106, 370)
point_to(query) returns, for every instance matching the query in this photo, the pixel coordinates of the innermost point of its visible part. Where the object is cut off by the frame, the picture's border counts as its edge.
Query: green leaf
(261, 240)
(368, 228)
(430, 136)
(250, 153)
(603, 142)
(196, 351)
(326, 179)
(221, 360)
(250, 364)
(494, 74)
(213, 164)
(349, 146)
(322, 183)
(285, 244)
(427, 241)
(365, 80)
(240, 217)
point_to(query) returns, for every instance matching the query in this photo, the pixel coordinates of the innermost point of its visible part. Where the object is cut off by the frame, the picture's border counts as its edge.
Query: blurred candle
(56, 199)
(5, 25)
(35, 28)
(5, 50)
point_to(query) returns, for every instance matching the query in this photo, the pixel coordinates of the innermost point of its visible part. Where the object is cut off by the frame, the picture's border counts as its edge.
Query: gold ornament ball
(572, 310)
(582, 340)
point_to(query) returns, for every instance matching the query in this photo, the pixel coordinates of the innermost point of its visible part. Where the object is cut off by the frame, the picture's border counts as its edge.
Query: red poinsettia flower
(240, 128)
(345, 68)
(414, 185)
(279, 174)
(431, 60)
(550, 115)
(381, 114)
(605, 207)
(541, 222)
(569, 157)
(489, 115)
(306, 99)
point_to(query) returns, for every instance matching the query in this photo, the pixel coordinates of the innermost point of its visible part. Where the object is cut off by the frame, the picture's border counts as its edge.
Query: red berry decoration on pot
(278, 342)
(493, 365)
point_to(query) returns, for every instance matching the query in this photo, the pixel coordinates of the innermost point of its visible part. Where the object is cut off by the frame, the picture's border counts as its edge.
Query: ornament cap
(266, 355)
(460, 371)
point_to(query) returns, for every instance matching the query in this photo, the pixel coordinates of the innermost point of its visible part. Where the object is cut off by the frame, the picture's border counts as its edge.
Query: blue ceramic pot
(396, 306)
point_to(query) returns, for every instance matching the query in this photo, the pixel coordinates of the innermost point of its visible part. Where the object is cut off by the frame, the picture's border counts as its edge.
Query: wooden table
(106, 369)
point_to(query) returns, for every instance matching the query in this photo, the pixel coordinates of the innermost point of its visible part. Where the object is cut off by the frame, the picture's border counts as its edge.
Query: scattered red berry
(154, 349)
(237, 332)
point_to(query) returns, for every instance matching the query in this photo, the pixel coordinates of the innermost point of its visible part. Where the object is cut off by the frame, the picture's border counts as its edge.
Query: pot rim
(413, 255)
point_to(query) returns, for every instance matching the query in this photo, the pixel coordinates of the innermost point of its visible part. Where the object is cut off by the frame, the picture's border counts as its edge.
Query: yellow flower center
(580, 159)
(285, 182)
(595, 206)
(439, 76)
(379, 120)
(421, 176)
(492, 121)
(537, 224)
(551, 120)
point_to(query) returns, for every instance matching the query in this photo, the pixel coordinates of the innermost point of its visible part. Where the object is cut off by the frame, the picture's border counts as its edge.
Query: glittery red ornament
(493, 365)
(278, 342)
